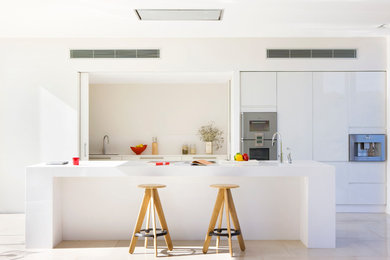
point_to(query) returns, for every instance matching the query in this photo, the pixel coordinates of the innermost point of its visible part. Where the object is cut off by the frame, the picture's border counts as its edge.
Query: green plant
(210, 133)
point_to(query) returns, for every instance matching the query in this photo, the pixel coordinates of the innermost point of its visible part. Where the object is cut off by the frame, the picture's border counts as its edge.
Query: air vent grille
(312, 53)
(115, 54)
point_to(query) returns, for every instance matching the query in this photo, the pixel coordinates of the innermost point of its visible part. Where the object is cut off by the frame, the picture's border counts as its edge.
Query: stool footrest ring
(149, 232)
(220, 232)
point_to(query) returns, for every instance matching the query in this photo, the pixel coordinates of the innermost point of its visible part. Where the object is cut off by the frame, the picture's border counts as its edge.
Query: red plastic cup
(76, 160)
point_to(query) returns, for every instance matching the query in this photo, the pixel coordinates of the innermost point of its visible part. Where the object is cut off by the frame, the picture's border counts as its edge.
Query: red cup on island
(76, 160)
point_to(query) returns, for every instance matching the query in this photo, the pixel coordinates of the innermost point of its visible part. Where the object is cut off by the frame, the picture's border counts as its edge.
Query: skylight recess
(179, 14)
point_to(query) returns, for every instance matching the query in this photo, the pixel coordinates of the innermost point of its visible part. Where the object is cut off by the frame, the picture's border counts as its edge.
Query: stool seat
(151, 186)
(224, 186)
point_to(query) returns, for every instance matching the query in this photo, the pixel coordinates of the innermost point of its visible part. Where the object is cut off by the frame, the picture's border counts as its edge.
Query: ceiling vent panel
(312, 53)
(126, 53)
(148, 53)
(81, 53)
(115, 54)
(274, 53)
(344, 54)
(300, 53)
(104, 54)
(322, 53)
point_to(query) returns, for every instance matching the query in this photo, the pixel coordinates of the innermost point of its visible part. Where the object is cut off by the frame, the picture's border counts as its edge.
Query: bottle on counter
(192, 149)
(154, 146)
(184, 149)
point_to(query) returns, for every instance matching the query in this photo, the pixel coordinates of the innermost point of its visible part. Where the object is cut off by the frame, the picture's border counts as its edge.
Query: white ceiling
(241, 18)
(159, 78)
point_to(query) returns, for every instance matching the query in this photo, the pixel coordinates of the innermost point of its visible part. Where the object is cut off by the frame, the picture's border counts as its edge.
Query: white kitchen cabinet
(367, 102)
(367, 172)
(368, 194)
(258, 91)
(330, 116)
(294, 107)
(360, 183)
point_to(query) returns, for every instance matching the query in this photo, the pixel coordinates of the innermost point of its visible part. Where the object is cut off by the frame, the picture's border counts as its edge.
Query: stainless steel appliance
(367, 147)
(257, 129)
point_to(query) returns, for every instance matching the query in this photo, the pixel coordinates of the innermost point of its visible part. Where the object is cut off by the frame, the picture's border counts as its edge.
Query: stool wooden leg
(233, 212)
(228, 221)
(219, 225)
(213, 220)
(147, 223)
(163, 222)
(140, 219)
(154, 222)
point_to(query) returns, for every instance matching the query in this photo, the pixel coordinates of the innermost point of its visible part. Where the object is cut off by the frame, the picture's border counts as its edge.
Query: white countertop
(144, 168)
(184, 164)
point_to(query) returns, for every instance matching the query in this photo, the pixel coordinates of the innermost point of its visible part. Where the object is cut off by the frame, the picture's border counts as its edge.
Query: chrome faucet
(281, 147)
(105, 142)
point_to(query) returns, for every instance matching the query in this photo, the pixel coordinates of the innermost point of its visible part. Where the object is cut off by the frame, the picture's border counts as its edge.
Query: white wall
(39, 87)
(133, 114)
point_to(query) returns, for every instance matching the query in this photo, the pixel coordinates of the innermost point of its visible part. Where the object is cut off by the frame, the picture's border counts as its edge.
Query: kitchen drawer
(173, 158)
(104, 157)
(367, 172)
(153, 157)
(129, 157)
(212, 157)
(359, 193)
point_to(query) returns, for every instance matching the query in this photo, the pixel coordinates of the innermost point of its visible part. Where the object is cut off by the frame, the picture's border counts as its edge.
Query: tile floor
(359, 236)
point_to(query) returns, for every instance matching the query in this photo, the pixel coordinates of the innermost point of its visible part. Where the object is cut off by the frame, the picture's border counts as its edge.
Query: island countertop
(99, 200)
(220, 168)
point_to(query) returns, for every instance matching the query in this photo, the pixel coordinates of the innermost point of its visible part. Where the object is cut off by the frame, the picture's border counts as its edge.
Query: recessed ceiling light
(179, 14)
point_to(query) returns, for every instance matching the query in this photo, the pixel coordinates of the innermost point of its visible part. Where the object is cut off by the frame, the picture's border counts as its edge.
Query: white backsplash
(133, 114)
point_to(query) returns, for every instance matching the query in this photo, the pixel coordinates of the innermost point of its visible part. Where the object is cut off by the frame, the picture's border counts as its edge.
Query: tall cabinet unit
(367, 103)
(316, 113)
(294, 107)
(258, 91)
(330, 116)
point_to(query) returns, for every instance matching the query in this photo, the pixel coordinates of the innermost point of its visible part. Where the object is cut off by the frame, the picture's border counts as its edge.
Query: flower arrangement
(210, 133)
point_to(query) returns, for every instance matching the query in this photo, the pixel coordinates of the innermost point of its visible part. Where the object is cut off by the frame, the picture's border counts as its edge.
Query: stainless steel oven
(257, 129)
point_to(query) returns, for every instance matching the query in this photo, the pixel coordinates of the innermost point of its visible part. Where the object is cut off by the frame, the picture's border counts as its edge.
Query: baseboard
(361, 208)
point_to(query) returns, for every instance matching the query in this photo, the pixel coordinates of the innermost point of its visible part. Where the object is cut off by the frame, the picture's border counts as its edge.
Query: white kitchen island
(99, 200)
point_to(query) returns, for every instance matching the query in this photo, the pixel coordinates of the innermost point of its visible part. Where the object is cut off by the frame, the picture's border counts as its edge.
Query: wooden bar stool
(151, 202)
(224, 197)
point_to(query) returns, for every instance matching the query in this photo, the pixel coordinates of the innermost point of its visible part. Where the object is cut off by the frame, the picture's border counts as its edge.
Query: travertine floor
(359, 236)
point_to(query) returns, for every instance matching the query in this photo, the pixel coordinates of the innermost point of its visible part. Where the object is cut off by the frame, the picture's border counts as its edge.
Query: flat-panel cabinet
(367, 193)
(367, 102)
(367, 172)
(360, 183)
(258, 91)
(294, 107)
(330, 116)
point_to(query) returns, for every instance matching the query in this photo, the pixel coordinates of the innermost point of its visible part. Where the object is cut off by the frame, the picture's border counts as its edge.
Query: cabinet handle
(85, 150)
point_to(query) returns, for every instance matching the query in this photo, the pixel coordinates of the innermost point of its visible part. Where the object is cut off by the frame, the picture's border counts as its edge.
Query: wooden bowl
(138, 150)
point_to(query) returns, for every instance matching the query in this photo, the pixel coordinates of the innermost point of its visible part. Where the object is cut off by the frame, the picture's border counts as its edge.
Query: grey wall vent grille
(115, 54)
(312, 53)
